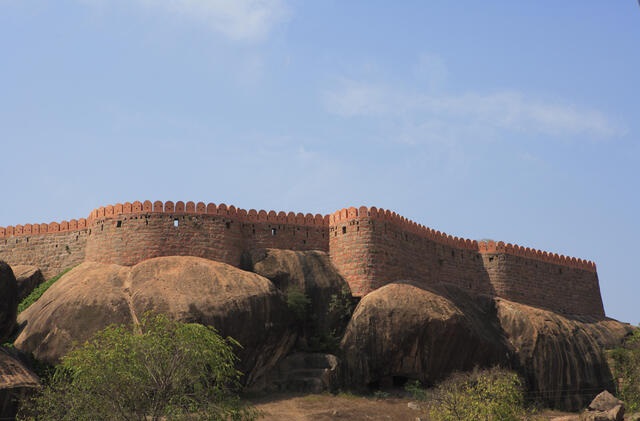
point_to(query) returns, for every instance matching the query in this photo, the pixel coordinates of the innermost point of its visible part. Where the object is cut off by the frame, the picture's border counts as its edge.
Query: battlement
(348, 214)
(369, 246)
(192, 208)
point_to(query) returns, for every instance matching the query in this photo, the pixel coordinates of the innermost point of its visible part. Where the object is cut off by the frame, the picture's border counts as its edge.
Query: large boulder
(8, 301)
(239, 304)
(16, 383)
(27, 278)
(403, 331)
(561, 358)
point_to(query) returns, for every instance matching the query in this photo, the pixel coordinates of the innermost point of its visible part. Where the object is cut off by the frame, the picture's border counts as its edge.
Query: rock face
(559, 357)
(27, 278)
(310, 272)
(16, 381)
(8, 301)
(604, 407)
(239, 304)
(404, 331)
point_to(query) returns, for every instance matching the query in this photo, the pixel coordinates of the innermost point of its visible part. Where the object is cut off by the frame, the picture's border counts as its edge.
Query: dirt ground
(343, 407)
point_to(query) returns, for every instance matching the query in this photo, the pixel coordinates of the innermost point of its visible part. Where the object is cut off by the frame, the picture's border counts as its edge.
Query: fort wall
(370, 247)
(127, 234)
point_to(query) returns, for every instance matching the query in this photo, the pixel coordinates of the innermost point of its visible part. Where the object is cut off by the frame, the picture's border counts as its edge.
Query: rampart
(370, 247)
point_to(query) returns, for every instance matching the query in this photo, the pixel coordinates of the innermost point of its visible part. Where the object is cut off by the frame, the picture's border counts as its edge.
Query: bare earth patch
(343, 407)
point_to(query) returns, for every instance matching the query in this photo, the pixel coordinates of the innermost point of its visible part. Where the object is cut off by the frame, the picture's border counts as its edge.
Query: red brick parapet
(169, 207)
(483, 247)
(192, 208)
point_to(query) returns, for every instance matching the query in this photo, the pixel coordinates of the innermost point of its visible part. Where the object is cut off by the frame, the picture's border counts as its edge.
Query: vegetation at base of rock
(38, 291)
(626, 368)
(493, 394)
(298, 302)
(160, 369)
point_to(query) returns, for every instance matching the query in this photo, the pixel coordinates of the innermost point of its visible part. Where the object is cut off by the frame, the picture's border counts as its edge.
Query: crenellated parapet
(37, 229)
(200, 208)
(483, 247)
(490, 246)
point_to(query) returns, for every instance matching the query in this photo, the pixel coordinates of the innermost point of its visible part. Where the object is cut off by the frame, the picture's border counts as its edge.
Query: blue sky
(516, 121)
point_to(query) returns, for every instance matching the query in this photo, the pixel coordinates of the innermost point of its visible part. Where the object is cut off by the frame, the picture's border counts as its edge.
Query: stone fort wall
(370, 247)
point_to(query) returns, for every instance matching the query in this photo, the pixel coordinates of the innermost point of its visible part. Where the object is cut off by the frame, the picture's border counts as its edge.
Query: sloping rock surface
(310, 272)
(404, 331)
(15, 380)
(239, 304)
(8, 301)
(560, 358)
(27, 278)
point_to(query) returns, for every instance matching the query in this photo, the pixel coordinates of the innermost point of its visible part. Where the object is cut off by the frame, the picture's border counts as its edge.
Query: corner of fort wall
(372, 247)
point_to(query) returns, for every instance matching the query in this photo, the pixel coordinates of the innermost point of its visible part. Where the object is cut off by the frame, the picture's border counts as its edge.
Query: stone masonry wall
(127, 234)
(51, 252)
(370, 247)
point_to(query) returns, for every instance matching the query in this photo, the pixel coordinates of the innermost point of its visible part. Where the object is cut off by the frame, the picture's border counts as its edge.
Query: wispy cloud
(238, 20)
(451, 113)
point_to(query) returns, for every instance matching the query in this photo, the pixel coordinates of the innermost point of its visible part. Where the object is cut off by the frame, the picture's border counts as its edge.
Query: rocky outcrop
(239, 304)
(16, 382)
(8, 301)
(304, 372)
(561, 358)
(604, 407)
(27, 278)
(402, 331)
(312, 273)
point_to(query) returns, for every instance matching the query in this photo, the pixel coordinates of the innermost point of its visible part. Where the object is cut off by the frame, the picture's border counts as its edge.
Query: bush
(161, 369)
(38, 291)
(626, 368)
(494, 394)
(298, 302)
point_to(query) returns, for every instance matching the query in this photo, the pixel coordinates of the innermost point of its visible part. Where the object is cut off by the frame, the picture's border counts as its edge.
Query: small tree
(626, 369)
(162, 369)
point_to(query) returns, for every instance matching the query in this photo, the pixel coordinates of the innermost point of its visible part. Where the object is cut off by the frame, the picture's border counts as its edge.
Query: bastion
(370, 247)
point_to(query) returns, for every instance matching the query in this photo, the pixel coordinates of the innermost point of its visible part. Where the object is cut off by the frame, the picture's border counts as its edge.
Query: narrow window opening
(304, 241)
(254, 231)
(344, 230)
(273, 231)
(491, 259)
(102, 227)
(118, 224)
(228, 224)
(176, 222)
(453, 253)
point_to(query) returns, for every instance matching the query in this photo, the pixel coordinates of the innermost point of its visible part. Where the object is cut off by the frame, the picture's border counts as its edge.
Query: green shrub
(38, 291)
(626, 368)
(298, 302)
(485, 395)
(162, 369)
